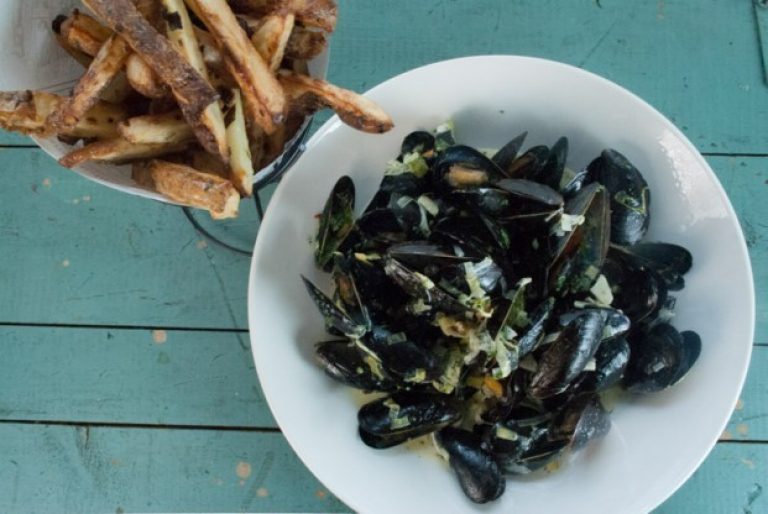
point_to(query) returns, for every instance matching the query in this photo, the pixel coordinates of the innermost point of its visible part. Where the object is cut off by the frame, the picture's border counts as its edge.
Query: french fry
(240, 163)
(105, 66)
(263, 95)
(151, 11)
(321, 14)
(84, 33)
(354, 109)
(101, 121)
(81, 57)
(190, 187)
(192, 92)
(210, 163)
(157, 129)
(27, 112)
(271, 38)
(117, 150)
(181, 32)
(305, 44)
(143, 79)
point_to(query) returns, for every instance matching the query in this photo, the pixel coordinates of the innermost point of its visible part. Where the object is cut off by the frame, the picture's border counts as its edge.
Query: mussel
(660, 358)
(401, 416)
(478, 473)
(629, 193)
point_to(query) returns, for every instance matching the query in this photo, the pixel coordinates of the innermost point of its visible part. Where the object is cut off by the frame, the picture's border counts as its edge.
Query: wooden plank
(97, 256)
(732, 479)
(130, 376)
(77, 469)
(82, 246)
(697, 61)
(749, 421)
(746, 182)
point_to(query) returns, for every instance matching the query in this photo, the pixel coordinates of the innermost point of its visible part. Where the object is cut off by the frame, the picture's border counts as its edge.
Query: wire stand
(284, 163)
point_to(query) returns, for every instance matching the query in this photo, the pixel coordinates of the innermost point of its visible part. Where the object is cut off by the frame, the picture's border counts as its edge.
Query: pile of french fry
(195, 94)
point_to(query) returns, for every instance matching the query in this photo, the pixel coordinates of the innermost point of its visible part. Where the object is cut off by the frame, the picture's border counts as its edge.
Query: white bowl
(656, 442)
(32, 59)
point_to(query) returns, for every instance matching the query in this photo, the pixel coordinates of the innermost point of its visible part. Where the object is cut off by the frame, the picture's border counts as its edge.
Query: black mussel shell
(579, 255)
(333, 315)
(616, 323)
(421, 255)
(660, 358)
(400, 356)
(508, 153)
(336, 221)
(462, 167)
(551, 173)
(405, 415)
(580, 421)
(407, 184)
(638, 291)
(565, 359)
(576, 183)
(419, 141)
(421, 287)
(343, 361)
(478, 473)
(611, 360)
(670, 261)
(629, 194)
(534, 334)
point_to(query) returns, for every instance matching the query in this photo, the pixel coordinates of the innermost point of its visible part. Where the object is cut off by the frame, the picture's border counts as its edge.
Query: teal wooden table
(126, 378)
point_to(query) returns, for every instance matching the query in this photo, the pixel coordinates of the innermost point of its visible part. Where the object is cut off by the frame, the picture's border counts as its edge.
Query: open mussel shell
(462, 167)
(347, 292)
(629, 194)
(336, 222)
(508, 153)
(528, 165)
(334, 317)
(421, 287)
(344, 362)
(660, 358)
(477, 471)
(402, 416)
(579, 254)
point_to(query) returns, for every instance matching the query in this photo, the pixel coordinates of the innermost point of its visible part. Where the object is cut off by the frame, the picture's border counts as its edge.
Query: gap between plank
(145, 426)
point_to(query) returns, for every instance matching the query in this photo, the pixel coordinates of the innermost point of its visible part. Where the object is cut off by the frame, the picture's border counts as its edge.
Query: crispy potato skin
(191, 90)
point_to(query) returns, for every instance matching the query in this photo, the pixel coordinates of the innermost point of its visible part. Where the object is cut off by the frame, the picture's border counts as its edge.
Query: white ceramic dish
(32, 59)
(655, 442)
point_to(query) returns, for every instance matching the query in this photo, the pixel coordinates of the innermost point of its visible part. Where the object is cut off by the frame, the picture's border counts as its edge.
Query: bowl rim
(334, 122)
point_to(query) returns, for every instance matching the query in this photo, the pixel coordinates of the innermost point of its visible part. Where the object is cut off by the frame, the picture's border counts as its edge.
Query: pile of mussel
(492, 298)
